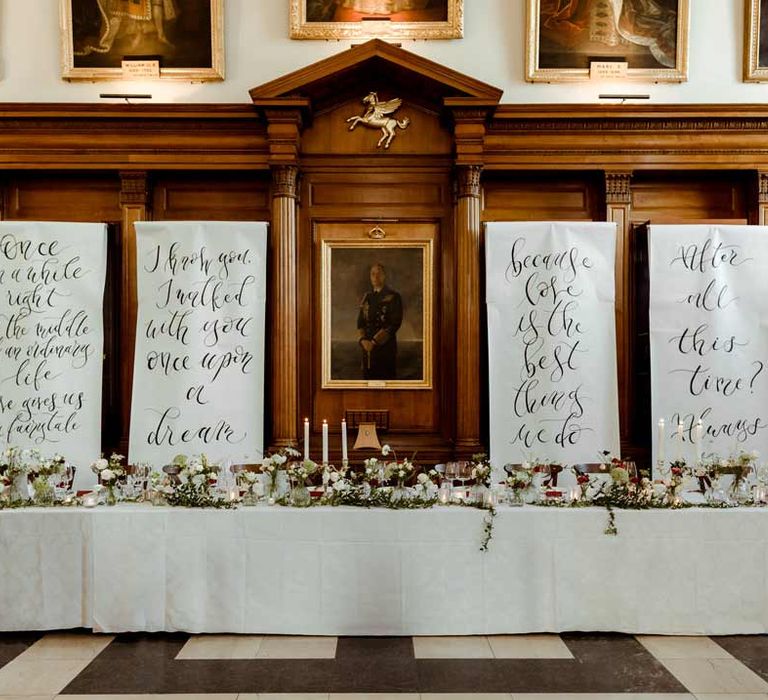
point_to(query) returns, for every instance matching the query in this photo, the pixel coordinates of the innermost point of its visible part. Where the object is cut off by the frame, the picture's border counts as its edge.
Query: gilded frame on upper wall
(352, 311)
(755, 41)
(188, 39)
(400, 19)
(561, 42)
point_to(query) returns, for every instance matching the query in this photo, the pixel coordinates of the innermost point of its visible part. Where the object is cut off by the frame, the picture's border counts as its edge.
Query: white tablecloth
(334, 571)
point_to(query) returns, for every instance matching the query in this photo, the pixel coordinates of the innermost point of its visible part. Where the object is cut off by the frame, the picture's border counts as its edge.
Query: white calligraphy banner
(52, 338)
(552, 341)
(198, 382)
(709, 337)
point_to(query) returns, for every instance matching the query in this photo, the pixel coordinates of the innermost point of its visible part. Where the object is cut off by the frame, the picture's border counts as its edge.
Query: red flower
(634, 480)
(677, 471)
(582, 479)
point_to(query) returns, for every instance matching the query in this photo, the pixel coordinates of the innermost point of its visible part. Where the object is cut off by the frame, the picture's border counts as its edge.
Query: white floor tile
(297, 648)
(452, 648)
(220, 646)
(683, 647)
(283, 696)
(715, 676)
(466, 696)
(602, 696)
(529, 646)
(374, 696)
(731, 696)
(39, 676)
(63, 647)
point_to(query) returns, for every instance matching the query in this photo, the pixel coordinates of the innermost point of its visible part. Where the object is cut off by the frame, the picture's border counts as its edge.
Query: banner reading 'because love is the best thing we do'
(52, 337)
(552, 341)
(198, 383)
(709, 337)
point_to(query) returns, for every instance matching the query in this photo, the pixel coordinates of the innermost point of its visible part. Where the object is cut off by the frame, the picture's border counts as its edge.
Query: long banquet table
(346, 571)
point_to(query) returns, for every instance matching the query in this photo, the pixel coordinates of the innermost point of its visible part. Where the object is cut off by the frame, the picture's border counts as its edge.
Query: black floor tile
(751, 650)
(14, 643)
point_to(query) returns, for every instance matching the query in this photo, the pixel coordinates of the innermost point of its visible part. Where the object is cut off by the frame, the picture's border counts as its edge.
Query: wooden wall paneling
(618, 205)
(543, 196)
(136, 206)
(206, 196)
(690, 197)
(63, 197)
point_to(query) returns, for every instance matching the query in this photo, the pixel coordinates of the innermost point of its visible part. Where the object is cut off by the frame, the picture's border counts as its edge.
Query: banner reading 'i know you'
(52, 337)
(709, 337)
(552, 341)
(198, 382)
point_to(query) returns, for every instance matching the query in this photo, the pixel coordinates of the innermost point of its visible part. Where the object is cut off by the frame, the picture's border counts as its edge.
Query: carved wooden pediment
(357, 71)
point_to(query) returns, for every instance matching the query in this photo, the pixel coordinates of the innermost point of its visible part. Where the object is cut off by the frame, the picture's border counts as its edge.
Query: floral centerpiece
(197, 475)
(251, 483)
(14, 467)
(481, 475)
(299, 473)
(272, 466)
(109, 472)
(583, 482)
(518, 481)
(399, 472)
(427, 483)
(41, 473)
(740, 466)
(162, 488)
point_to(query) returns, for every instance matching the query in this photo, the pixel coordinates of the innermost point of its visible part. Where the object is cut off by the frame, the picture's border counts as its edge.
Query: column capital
(762, 183)
(618, 187)
(285, 179)
(134, 187)
(468, 180)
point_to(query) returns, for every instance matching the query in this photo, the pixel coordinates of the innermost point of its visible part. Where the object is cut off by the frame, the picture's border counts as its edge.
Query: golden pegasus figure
(376, 117)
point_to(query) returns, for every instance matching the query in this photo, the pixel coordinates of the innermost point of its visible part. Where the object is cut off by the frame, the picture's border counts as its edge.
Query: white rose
(401, 473)
(198, 480)
(107, 475)
(101, 464)
(280, 459)
(385, 450)
(723, 462)
(266, 463)
(423, 478)
(335, 476)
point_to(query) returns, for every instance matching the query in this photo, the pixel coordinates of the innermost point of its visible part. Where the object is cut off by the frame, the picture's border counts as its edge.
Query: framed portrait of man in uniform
(186, 38)
(377, 314)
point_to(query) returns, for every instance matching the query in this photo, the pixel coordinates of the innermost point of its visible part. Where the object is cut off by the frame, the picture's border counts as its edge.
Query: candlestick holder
(345, 464)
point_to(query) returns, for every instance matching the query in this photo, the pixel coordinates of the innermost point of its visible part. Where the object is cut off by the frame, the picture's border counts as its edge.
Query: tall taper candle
(325, 442)
(660, 443)
(699, 438)
(679, 441)
(306, 438)
(344, 457)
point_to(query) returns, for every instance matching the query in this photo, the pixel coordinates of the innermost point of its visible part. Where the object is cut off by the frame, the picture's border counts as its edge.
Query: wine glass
(464, 473)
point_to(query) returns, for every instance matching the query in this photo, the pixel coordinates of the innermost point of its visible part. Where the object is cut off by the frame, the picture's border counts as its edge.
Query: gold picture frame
(304, 26)
(570, 60)
(755, 70)
(85, 57)
(345, 266)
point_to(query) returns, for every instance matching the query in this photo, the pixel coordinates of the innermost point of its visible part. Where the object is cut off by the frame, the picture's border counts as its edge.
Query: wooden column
(135, 205)
(469, 128)
(618, 202)
(468, 393)
(285, 359)
(762, 194)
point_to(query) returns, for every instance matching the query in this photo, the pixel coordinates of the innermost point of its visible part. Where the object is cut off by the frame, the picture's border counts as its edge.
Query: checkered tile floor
(526, 667)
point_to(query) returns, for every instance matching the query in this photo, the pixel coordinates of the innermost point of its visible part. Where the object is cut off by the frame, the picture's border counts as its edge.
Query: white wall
(258, 50)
